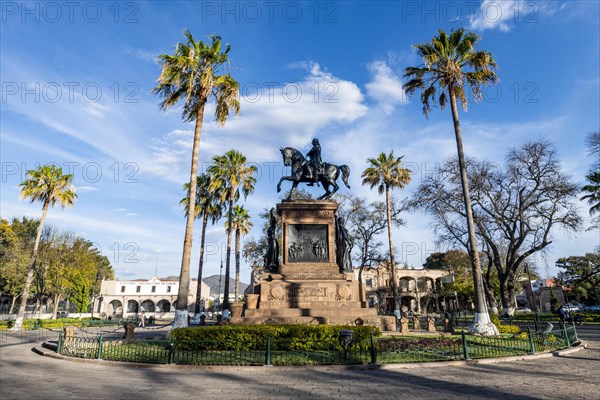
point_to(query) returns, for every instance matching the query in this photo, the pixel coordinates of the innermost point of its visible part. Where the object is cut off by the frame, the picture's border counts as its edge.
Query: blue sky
(76, 81)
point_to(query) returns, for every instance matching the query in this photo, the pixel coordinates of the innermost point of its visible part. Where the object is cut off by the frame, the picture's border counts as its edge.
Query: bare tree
(366, 223)
(515, 210)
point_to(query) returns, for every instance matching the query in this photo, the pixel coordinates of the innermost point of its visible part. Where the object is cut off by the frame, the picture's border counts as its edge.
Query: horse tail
(345, 174)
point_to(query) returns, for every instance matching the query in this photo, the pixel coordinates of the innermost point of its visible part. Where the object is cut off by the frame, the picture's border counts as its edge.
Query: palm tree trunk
(237, 263)
(184, 274)
(228, 256)
(200, 266)
(481, 323)
(21, 313)
(392, 261)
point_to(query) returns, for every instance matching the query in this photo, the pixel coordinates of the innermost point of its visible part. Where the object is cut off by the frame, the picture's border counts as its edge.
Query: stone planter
(236, 310)
(252, 301)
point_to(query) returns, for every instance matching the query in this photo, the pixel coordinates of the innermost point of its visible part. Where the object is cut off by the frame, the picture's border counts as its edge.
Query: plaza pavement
(25, 374)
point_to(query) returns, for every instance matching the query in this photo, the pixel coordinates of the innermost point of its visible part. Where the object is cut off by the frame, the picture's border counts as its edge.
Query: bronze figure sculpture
(314, 171)
(272, 255)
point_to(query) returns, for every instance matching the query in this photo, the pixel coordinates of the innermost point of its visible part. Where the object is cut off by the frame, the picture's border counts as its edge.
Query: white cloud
(503, 14)
(288, 114)
(385, 87)
(86, 188)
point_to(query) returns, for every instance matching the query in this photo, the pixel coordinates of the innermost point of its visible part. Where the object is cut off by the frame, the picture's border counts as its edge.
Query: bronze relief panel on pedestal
(307, 243)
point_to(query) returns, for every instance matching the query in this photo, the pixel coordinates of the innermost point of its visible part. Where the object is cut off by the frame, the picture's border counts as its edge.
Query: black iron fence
(381, 350)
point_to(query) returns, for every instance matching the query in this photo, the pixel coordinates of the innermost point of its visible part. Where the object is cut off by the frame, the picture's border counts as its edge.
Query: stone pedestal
(417, 323)
(430, 324)
(310, 287)
(404, 326)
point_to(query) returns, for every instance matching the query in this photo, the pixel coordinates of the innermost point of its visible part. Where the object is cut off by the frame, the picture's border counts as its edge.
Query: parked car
(570, 308)
(522, 310)
(593, 309)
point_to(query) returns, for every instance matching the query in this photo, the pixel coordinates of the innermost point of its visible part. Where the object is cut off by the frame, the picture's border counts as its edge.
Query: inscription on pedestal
(310, 292)
(307, 243)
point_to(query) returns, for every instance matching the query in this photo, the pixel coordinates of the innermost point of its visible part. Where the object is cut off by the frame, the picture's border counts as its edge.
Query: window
(168, 289)
(122, 289)
(153, 289)
(369, 282)
(137, 289)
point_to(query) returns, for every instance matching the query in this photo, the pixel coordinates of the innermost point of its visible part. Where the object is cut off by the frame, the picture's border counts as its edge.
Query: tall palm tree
(194, 74)
(593, 190)
(208, 206)
(386, 172)
(231, 173)
(48, 185)
(241, 225)
(451, 63)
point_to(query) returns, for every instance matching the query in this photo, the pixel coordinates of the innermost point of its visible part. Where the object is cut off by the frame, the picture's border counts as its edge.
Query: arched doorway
(132, 306)
(115, 307)
(148, 306)
(163, 306)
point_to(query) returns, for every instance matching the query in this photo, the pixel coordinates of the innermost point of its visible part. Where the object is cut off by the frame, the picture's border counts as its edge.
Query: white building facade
(156, 297)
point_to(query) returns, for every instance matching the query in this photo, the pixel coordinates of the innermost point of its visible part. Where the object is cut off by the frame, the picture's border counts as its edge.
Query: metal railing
(383, 350)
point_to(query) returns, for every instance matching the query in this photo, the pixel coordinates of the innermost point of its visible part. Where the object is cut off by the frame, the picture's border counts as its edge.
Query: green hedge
(283, 337)
(52, 323)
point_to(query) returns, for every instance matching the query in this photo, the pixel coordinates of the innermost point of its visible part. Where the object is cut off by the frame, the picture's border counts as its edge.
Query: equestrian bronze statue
(312, 172)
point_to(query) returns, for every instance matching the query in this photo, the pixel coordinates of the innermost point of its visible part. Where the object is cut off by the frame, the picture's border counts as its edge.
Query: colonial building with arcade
(156, 297)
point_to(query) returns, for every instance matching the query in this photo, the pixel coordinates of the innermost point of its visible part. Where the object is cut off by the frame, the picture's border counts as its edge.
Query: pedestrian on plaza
(143, 319)
(226, 314)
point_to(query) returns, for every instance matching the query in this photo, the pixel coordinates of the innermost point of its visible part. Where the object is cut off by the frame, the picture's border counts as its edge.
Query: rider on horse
(315, 164)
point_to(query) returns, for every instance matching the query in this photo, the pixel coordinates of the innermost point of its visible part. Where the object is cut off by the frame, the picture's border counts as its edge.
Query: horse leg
(325, 184)
(283, 178)
(294, 185)
(327, 181)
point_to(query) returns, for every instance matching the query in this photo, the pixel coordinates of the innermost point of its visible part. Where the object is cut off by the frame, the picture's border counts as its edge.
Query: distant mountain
(213, 282)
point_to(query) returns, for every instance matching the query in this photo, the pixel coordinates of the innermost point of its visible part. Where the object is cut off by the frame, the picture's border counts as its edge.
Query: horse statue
(300, 173)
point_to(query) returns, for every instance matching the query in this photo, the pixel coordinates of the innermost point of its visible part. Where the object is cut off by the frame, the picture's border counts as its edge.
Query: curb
(385, 367)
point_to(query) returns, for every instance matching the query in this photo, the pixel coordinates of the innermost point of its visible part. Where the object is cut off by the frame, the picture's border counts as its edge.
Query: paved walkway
(26, 375)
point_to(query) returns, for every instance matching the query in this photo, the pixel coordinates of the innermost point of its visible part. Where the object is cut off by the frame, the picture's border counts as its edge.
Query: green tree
(451, 63)
(387, 173)
(48, 185)
(458, 263)
(582, 274)
(15, 253)
(231, 174)
(193, 75)
(208, 207)
(241, 225)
